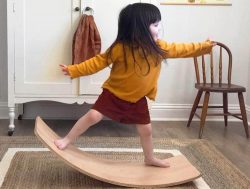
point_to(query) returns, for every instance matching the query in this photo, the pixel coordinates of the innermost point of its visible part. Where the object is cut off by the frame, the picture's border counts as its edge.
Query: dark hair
(133, 31)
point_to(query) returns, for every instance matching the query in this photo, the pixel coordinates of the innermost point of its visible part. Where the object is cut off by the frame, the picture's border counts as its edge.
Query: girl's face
(154, 29)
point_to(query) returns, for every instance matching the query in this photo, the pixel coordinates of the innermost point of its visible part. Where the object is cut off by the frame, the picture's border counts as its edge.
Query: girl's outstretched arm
(184, 50)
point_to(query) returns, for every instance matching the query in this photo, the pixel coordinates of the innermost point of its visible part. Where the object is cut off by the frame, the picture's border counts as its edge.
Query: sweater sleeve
(185, 50)
(96, 64)
(88, 67)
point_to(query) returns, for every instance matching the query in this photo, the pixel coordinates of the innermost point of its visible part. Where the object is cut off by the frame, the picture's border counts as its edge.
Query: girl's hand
(64, 69)
(212, 42)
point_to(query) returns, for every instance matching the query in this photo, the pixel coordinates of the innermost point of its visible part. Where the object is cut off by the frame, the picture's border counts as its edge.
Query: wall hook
(89, 9)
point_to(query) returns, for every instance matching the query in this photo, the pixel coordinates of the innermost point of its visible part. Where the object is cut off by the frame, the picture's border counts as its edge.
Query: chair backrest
(223, 53)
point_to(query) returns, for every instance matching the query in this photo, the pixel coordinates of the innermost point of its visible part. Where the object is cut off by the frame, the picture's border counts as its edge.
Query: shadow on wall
(54, 110)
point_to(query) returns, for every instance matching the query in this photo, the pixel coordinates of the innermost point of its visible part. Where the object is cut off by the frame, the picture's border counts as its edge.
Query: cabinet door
(106, 18)
(43, 40)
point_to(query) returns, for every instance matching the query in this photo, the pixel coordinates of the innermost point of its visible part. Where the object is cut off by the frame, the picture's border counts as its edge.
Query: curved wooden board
(115, 172)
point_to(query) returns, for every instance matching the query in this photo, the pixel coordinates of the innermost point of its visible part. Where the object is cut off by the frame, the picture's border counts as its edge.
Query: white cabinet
(43, 35)
(40, 36)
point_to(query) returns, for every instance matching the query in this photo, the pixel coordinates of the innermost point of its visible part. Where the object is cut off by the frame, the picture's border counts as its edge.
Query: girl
(136, 57)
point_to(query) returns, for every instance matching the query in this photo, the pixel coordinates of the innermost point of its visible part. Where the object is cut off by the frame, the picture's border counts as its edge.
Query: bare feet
(62, 143)
(157, 162)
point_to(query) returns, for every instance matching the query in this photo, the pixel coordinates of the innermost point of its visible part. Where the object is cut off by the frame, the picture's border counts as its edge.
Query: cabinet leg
(12, 118)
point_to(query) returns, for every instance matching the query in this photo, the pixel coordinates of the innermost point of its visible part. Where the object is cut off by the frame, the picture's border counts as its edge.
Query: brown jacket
(86, 40)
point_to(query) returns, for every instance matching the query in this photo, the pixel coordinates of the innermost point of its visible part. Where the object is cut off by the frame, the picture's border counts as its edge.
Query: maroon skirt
(121, 110)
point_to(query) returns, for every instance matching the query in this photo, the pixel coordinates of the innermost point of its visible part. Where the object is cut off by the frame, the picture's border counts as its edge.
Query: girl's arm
(88, 67)
(184, 50)
(95, 64)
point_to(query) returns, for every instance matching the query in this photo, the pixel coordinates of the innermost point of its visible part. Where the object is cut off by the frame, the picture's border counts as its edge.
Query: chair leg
(243, 113)
(204, 113)
(225, 107)
(195, 105)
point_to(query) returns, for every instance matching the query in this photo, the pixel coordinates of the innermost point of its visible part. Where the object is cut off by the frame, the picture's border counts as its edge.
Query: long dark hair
(133, 31)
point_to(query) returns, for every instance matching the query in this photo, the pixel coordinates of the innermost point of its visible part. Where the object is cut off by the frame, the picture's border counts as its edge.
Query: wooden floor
(231, 141)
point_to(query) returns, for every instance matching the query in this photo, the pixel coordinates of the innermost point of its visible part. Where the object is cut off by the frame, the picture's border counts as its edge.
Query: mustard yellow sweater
(133, 83)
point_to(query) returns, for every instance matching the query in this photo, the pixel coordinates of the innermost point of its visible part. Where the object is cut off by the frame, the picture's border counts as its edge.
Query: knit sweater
(132, 82)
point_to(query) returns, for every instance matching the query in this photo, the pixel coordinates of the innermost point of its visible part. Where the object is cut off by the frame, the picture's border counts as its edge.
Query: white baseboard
(4, 110)
(181, 112)
(159, 112)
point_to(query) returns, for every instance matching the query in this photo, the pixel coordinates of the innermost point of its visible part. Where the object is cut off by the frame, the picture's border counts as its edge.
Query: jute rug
(26, 164)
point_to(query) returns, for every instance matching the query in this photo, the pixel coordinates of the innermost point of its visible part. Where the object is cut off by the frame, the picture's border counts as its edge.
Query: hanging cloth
(86, 40)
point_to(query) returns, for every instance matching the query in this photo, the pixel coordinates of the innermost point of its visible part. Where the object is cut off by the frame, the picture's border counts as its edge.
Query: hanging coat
(86, 40)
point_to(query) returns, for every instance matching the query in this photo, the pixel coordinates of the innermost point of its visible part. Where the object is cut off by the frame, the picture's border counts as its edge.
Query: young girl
(135, 57)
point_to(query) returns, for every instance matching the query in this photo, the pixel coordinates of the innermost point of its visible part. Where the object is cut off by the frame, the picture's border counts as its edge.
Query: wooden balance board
(128, 174)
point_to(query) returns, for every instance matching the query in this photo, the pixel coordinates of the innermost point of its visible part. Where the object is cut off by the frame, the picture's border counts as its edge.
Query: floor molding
(158, 111)
(4, 110)
(180, 112)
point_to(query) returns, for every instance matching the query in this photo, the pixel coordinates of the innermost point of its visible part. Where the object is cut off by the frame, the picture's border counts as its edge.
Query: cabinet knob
(77, 9)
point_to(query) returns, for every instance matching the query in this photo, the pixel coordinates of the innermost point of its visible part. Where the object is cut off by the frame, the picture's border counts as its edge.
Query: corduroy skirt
(122, 111)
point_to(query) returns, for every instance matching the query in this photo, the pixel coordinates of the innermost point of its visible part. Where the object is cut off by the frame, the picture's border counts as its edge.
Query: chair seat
(216, 87)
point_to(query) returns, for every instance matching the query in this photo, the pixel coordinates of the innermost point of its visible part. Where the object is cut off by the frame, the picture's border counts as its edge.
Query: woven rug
(25, 163)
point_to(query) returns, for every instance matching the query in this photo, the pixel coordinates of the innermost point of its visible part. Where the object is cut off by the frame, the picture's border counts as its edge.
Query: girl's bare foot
(62, 143)
(157, 162)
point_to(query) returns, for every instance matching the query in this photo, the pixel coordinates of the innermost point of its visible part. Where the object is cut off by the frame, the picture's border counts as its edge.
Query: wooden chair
(224, 55)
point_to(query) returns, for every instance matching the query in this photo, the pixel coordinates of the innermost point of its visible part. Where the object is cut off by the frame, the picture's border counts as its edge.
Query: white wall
(229, 25)
(3, 60)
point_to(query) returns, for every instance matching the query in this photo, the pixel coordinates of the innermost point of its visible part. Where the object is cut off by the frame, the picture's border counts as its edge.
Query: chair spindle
(212, 67)
(220, 66)
(197, 70)
(204, 69)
